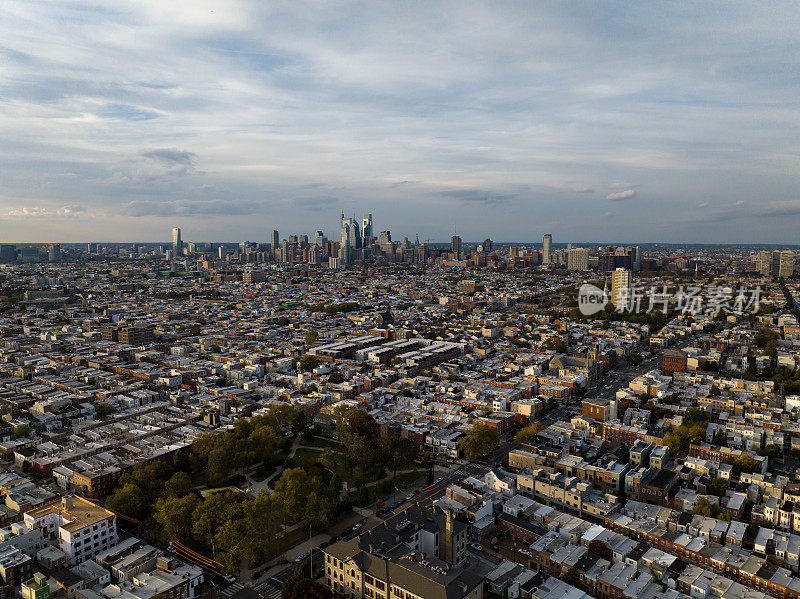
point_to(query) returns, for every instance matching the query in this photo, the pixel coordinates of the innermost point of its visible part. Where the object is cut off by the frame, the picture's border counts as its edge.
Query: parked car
(476, 546)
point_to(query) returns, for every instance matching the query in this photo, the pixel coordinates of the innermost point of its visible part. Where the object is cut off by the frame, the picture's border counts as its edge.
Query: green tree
(311, 337)
(23, 430)
(399, 453)
(480, 439)
(309, 363)
(298, 587)
(175, 516)
(772, 451)
(179, 485)
(104, 409)
(556, 344)
(718, 486)
(634, 359)
(129, 500)
(194, 331)
(528, 433)
(720, 438)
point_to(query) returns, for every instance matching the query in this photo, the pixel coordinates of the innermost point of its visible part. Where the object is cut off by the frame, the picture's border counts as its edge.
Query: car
(409, 496)
(333, 540)
(346, 532)
(300, 558)
(438, 480)
(357, 526)
(229, 578)
(323, 544)
(476, 546)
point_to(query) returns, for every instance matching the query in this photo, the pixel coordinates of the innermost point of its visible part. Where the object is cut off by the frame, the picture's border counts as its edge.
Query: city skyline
(623, 122)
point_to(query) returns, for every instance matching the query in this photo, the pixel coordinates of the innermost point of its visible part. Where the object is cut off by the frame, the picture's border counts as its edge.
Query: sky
(593, 121)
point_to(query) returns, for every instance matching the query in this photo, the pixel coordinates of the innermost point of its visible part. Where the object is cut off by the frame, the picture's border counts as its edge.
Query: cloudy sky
(647, 121)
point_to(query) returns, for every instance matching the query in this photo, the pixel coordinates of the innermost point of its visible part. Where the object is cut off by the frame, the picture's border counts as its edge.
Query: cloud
(739, 203)
(476, 196)
(316, 203)
(703, 205)
(621, 195)
(71, 211)
(170, 157)
(165, 208)
(527, 113)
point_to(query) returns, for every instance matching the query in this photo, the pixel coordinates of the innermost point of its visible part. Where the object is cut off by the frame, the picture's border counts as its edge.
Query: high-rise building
(366, 225)
(488, 246)
(54, 252)
(275, 240)
(320, 239)
(344, 242)
(8, 253)
(353, 236)
(620, 283)
(91, 248)
(385, 238)
(222, 252)
(177, 242)
(547, 242)
(578, 259)
(786, 264)
(455, 246)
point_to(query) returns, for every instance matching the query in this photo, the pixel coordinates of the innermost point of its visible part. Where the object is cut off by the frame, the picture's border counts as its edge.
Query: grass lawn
(326, 443)
(304, 458)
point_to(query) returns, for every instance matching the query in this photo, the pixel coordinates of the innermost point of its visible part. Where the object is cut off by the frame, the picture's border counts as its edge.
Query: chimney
(66, 502)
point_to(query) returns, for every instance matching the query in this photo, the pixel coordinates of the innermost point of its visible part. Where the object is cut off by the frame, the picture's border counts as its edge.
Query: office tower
(222, 252)
(275, 240)
(547, 242)
(320, 239)
(455, 246)
(636, 258)
(620, 283)
(786, 264)
(513, 252)
(366, 225)
(353, 236)
(344, 242)
(578, 259)
(302, 240)
(8, 253)
(177, 242)
(488, 246)
(385, 238)
(91, 248)
(54, 252)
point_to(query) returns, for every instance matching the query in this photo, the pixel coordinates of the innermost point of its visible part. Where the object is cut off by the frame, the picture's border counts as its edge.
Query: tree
(174, 515)
(309, 363)
(705, 508)
(399, 453)
(23, 430)
(718, 486)
(298, 587)
(480, 439)
(179, 485)
(745, 463)
(194, 331)
(556, 344)
(772, 451)
(129, 500)
(357, 422)
(696, 415)
(528, 433)
(336, 377)
(634, 359)
(720, 438)
(311, 337)
(104, 409)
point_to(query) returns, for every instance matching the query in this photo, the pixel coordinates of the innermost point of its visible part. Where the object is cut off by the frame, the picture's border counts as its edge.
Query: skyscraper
(488, 246)
(620, 283)
(547, 242)
(177, 242)
(366, 225)
(455, 246)
(275, 240)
